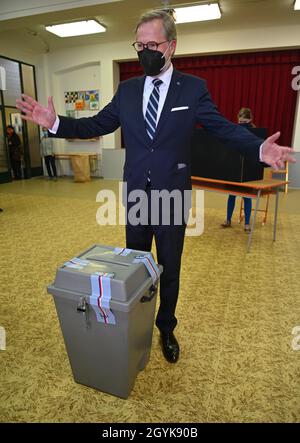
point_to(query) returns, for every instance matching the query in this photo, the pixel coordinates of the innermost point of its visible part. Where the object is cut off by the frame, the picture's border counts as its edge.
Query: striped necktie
(152, 107)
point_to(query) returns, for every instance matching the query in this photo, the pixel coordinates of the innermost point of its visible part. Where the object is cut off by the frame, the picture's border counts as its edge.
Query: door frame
(28, 170)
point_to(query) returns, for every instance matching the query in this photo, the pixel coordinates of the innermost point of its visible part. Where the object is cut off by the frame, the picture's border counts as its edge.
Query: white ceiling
(22, 23)
(16, 8)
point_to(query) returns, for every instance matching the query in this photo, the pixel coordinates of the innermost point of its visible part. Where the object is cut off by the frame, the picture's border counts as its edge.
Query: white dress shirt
(163, 90)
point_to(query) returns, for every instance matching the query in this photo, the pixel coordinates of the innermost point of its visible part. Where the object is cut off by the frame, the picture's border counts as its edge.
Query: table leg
(275, 214)
(253, 220)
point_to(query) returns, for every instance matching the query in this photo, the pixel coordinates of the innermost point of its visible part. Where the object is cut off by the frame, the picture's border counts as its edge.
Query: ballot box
(105, 301)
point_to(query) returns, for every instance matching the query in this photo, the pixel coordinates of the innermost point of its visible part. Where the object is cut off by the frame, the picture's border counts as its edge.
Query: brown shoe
(226, 224)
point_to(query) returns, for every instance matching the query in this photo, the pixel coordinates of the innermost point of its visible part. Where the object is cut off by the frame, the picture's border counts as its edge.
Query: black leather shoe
(170, 347)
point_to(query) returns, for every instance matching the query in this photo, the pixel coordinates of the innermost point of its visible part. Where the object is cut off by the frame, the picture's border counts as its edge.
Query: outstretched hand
(36, 113)
(274, 154)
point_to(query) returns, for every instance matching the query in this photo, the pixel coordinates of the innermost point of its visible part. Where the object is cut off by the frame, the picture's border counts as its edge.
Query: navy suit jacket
(171, 144)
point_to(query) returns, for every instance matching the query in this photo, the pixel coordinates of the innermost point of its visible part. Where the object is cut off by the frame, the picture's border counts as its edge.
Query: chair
(268, 174)
(265, 211)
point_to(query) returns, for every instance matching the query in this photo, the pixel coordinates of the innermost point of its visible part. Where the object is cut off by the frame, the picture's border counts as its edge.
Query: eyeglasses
(139, 46)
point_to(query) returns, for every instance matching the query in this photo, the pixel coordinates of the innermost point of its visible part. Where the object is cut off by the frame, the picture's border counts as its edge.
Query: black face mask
(152, 61)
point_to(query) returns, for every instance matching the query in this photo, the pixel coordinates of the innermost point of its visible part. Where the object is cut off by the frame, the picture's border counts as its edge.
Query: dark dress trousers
(159, 159)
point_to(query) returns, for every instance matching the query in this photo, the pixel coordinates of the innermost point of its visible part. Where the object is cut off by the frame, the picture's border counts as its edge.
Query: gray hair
(167, 19)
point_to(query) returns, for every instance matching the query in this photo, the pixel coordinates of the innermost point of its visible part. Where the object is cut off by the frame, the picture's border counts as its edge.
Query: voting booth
(210, 158)
(105, 300)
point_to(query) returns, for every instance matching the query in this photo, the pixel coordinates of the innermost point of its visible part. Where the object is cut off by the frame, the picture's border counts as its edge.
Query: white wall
(101, 56)
(78, 78)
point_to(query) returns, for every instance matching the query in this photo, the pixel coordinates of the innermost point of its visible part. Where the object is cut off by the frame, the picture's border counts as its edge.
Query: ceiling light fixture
(197, 13)
(76, 28)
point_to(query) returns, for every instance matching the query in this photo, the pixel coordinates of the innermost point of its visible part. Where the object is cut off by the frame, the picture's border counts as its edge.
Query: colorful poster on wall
(81, 101)
(70, 99)
(92, 100)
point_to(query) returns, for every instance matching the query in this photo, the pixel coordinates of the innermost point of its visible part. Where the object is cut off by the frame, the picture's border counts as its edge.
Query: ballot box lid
(119, 268)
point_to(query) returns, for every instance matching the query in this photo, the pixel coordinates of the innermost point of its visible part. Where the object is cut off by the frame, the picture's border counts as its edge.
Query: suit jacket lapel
(172, 95)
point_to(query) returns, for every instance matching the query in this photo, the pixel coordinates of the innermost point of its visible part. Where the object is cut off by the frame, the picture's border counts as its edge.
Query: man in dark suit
(158, 113)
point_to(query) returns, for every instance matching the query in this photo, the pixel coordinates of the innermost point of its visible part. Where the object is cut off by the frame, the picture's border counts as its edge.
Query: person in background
(15, 151)
(47, 152)
(244, 118)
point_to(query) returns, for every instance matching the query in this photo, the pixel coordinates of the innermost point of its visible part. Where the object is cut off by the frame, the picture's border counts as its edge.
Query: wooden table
(253, 189)
(80, 163)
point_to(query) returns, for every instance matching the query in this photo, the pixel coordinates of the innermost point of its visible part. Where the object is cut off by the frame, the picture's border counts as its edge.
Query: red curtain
(260, 81)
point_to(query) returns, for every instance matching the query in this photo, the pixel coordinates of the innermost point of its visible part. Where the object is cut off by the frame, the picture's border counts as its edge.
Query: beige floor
(236, 313)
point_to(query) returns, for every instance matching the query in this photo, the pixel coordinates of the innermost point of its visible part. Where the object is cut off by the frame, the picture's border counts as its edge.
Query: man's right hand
(36, 113)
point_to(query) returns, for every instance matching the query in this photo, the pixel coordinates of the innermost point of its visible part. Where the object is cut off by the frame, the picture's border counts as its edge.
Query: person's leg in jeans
(247, 210)
(230, 209)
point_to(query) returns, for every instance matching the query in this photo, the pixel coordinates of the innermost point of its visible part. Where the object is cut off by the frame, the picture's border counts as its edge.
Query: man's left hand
(275, 155)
